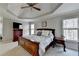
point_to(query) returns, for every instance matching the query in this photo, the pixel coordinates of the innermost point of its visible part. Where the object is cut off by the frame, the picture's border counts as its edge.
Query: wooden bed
(33, 47)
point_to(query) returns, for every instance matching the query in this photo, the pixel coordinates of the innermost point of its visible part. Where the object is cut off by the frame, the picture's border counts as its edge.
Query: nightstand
(60, 40)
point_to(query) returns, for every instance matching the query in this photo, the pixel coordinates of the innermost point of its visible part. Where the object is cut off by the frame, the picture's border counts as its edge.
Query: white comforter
(44, 41)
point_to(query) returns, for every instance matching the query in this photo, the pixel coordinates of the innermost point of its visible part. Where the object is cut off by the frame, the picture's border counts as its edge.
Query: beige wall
(7, 30)
(51, 23)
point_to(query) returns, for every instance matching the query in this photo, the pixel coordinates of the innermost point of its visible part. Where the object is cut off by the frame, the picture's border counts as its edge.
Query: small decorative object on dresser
(60, 40)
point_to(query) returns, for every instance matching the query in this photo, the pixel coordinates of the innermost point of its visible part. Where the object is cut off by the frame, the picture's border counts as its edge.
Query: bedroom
(50, 16)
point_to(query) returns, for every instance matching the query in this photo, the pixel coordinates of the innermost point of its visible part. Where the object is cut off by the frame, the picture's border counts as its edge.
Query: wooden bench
(60, 40)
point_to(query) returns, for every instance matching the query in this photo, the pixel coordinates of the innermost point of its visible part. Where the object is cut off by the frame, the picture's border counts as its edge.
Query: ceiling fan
(32, 6)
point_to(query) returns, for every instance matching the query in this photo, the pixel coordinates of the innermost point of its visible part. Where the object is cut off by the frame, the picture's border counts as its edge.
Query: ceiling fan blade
(35, 3)
(37, 8)
(31, 4)
(25, 7)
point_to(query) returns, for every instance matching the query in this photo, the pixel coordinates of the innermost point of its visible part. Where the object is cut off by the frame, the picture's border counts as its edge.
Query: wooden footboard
(31, 47)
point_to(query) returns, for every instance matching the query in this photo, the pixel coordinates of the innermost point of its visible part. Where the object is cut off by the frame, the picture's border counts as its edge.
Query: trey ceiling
(14, 11)
(28, 13)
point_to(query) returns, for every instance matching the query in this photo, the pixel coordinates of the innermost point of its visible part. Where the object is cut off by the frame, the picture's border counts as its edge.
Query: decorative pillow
(39, 33)
(45, 33)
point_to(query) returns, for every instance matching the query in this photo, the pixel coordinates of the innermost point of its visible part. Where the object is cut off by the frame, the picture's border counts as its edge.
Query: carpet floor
(12, 49)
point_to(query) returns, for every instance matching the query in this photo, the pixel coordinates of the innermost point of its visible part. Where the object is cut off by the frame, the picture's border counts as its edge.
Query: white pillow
(45, 33)
(51, 35)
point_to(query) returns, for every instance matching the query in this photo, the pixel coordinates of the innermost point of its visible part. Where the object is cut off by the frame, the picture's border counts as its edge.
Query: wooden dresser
(16, 34)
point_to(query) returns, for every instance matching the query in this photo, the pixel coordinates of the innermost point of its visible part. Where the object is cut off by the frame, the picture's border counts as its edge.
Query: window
(0, 26)
(28, 29)
(32, 28)
(25, 29)
(70, 29)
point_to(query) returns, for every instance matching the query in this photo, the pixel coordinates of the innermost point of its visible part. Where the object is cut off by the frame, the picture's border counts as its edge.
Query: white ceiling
(67, 7)
(65, 10)
(27, 13)
(47, 10)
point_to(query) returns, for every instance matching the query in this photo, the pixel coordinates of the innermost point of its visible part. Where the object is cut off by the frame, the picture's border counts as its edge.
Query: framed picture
(44, 23)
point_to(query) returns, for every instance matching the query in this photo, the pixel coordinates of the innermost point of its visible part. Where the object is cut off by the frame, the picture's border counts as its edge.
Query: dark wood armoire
(17, 32)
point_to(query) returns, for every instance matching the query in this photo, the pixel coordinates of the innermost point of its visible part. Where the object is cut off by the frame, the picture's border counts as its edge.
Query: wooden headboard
(49, 29)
